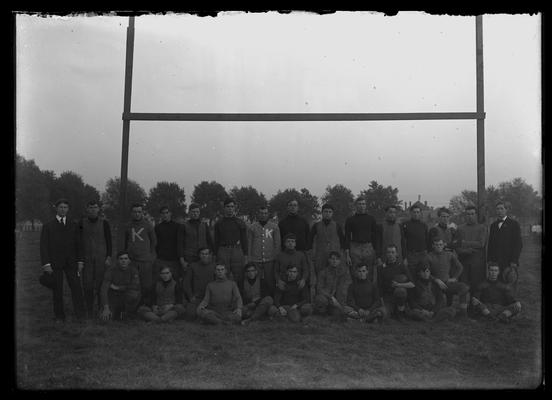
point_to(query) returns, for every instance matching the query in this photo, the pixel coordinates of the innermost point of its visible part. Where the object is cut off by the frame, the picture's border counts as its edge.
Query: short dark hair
(229, 200)
(328, 206)
(359, 198)
(334, 253)
(290, 200)
(442, 210)
(121, 253)
(93, 203)
(290, 236)
(62, 201)
(250, 265)
(436, 239)
(136, 205)
(414, 206)
(470, 207)
(422, 266)
(193, 206)
(163, 208)
(392, 245)
(263, 207)
(390, 206)
(203, 248)
(499, 203)
(291, 267)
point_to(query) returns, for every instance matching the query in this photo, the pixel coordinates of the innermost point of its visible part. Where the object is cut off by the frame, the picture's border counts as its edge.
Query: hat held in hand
(47, 279)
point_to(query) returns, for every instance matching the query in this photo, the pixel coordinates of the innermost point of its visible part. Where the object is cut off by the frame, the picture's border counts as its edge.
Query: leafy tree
(210, 196)
(248, 200)
(111, 199)
(522, 198)
(70, 185)
(458, 203)
(524, 201)
(308, 204)
(32, 191)
(378, 197)
(492, 196)
(167, 194)
(342, 199)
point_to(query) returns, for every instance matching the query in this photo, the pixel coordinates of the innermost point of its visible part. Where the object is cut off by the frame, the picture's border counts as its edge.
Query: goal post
(478, 115)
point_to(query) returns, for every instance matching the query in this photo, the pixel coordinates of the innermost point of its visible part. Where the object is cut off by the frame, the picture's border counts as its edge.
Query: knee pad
(306, 310)
(267, 300)
(509, 275)
(400, 294)
(294, 315)
(320, 301)
(272, 311)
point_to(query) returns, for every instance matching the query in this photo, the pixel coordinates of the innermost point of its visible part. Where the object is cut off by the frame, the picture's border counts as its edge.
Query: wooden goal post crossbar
(300, 116)
(479, 116)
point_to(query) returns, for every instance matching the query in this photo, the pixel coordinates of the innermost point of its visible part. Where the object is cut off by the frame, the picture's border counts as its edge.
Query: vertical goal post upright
(478, 115)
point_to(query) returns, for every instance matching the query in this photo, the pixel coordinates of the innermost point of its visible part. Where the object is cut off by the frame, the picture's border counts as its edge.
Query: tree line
(523, 200)
(37, 190)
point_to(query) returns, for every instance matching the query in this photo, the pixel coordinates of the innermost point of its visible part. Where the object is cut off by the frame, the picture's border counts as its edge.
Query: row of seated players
(210, 295)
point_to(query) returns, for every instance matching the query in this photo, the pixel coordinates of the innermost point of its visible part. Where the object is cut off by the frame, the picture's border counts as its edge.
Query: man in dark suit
(505, 245)
(61, 252)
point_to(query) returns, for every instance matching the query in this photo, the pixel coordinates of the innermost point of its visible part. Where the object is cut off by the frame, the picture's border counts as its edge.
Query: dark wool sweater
(291, 295)
(363, 294)
(231, 231)
(298, 226)
(387, 274)
(167, 233)
(426, 295)
(416, 236)
(361, 228)
(494, 292)
(196, 279)
(126, 279)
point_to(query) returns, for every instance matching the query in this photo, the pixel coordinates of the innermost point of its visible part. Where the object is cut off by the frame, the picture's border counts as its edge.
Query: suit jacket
(60, 245)
(504, 244)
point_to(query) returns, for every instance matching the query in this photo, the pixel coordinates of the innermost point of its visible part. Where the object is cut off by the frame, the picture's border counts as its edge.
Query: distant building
(429, 214)
(29, 225)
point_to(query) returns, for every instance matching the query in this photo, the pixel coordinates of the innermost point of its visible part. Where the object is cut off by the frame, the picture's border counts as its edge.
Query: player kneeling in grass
(394, 281)
(167, 302)
(494, 299)
(445, 270)
(331, 287)
(256, 295)
(426, 299)
(363, 299)
(120, 290)
(292, 300)
(222, 303)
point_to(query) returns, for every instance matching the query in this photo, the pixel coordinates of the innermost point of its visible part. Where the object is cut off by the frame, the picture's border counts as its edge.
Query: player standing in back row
(361, 240)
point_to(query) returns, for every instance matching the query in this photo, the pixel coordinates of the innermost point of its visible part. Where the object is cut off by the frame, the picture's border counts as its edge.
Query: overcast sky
(70, 84)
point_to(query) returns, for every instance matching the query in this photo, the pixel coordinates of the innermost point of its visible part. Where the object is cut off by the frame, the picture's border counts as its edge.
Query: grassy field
(315, 354)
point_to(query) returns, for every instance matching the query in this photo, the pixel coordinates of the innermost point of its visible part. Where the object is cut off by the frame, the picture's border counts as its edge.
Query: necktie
(62, 221)
(500, 223)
